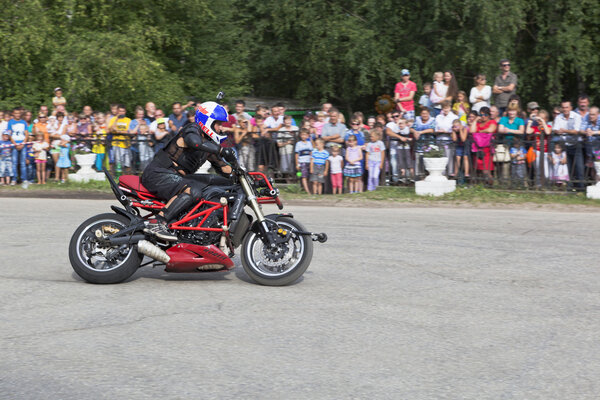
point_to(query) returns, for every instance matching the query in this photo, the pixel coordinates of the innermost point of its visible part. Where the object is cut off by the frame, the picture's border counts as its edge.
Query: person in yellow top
(58, 99)
(121, 143)
(100, 130)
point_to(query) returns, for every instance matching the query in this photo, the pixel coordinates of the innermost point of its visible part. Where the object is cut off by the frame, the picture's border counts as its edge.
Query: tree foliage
(346, 51)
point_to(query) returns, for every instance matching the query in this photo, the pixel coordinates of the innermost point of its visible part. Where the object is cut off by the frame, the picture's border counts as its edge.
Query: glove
(228, 155)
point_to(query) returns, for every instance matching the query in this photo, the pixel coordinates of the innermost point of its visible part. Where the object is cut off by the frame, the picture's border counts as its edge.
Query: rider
(170, 174)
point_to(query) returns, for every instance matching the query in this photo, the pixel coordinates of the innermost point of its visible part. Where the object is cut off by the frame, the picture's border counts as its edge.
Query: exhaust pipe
(152, 251)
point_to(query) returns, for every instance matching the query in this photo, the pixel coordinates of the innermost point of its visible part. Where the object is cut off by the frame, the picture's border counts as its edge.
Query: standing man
(404, 94)
(568, 126)
(505, 85)
(333, 131)
(583, 105)
(150, 108)
(240, 114)
(19, 135)
(177, 118)
(590, 126)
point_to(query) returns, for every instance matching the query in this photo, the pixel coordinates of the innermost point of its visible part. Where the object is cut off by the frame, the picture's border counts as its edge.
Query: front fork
(270, 238)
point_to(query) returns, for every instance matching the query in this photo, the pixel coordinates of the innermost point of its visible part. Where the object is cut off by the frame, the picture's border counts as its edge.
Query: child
(64, 162)
(146, 153)
(405, 162)
(303, 151)
(6, 165)
(39, 151)
(335, 166)
(318, 166)
(461, 107)
(425, 100)
(319, 123)
(285, 142)
(374, 159)
(558, 160)
(353, 169)
(58, 99)
(459, 137)
(517, 157)
(436, 92)
(245, 138)
(99, 149)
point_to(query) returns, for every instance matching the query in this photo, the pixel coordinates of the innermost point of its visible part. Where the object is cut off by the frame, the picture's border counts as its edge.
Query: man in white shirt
(568, 126)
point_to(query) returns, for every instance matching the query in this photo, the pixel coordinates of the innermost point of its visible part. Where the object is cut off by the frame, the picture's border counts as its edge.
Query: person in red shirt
(483, 128)
(404, 94)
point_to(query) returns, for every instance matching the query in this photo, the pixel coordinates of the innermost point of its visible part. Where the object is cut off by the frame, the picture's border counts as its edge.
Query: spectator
(459, 137)
(533, 109)
(438, 92)
(424, 100)
(371, 120)
(150, 109)
(99, 148)
(177, 118)
(452, 86)
(119, 127)
(353, 169)
(590, 126)
(395, 145)
(333, 131)
(58, 99)
(495, 114)
(318, 166)
(505, 85)
(319, 123)
(158, 114)
(282, 111)
(361, 119)
(275, 121)
(515, 102)
(326, 107)
(6, 152)
(88, 113)
(509, 126)
(42, 127)
(64, 161)
(536, 126)
(560, 171)
(303, 151)
(480, 93)
(84, 131)
(424, 125)
(355, 131)
(39, 151)
(517, 158)
(245, 138)
(228, 128)
(161, 134)
(483, 129)
(114, 109)
(259, 110)
(583, 105)
(144, 148)
(443, 124)
(266, 147)
(375, 158)
(568, 126)
(18, 130)
(240, 106)
(285, 141)
(462, 107)
(56, 130)
(404, 94)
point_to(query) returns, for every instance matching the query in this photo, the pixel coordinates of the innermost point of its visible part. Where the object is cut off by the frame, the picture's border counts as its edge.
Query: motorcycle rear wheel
(284, 265)
(89, 257)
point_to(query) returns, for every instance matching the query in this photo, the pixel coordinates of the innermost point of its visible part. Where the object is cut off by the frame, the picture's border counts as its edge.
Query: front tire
(282, 267)
(96, 263)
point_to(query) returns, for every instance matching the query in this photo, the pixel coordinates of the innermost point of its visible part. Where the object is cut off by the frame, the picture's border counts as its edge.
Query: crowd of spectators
(487, 135)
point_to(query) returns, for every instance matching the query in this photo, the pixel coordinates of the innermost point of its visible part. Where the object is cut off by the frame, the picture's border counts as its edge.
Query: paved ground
(404, 303)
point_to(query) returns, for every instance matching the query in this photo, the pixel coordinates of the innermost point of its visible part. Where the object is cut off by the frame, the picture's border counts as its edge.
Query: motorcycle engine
(204, 238)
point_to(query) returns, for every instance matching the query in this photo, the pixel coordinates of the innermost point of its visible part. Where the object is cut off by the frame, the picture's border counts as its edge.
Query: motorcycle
(275, 249)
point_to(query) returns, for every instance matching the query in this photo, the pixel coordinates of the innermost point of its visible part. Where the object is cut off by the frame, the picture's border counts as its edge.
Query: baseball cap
(405, 72)
(162, 121)
(56, 89)
(532, 105)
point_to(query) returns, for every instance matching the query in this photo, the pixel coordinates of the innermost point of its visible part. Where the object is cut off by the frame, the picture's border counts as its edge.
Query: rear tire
(300, 256)
(86, 254)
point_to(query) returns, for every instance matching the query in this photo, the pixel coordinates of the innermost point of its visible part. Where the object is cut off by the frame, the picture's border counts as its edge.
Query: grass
(469, 195)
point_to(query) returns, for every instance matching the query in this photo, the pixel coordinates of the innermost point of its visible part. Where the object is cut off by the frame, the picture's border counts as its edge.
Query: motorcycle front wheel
(96, 262)
(282, 265)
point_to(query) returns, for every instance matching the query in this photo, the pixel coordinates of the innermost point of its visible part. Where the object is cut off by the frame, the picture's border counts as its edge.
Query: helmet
(206, 115)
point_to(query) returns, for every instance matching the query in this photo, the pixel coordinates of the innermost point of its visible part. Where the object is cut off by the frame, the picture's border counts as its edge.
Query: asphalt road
(402, 303)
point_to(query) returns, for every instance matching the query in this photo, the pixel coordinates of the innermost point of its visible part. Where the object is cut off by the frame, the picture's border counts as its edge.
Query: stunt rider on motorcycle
(170, 175)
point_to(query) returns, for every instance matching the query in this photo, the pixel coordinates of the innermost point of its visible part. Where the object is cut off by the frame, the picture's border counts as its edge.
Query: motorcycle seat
(133, 182)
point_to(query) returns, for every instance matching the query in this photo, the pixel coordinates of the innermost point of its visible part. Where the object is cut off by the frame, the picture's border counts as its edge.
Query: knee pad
(179, 205)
